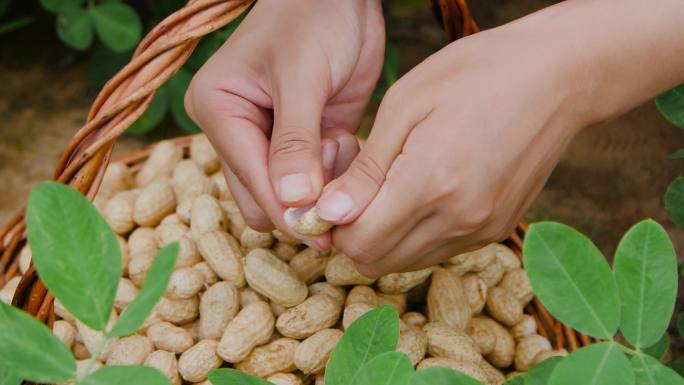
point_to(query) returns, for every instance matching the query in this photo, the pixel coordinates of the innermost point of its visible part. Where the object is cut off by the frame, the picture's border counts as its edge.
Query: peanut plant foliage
(78, 257)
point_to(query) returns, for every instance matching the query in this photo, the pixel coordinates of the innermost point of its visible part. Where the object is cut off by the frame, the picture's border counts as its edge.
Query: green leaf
(603, 364)
(152, 290)
(153, 115)
(75, 28)
(679, 154)
(572, 278)
(14, 24)
(30, 351)
(646, 274)
(125, 375)
(517, 380)
(540, 374)
(671, 105)
(234, 377)
(680, 324)
(674, 201)
(390, 68)
(9, 379)
(649, 371)
(660, 349)
(376, 332)
(104, 64)
(391, 368)
(677, 365)
(441, 376)
(178, 84)
(76, 253)
(118, 25)
(61, 6)
(4, 6)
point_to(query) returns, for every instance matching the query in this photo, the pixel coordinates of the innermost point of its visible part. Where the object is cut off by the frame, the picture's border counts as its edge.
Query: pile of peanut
(265, 304)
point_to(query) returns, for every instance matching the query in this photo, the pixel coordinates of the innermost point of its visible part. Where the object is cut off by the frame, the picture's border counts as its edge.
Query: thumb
(295, 165)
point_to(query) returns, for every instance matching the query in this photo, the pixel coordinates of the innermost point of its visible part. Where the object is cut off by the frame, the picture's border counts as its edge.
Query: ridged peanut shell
(447, 342)
(252, 326)
(273, 278)
(166, 363)
(222, 252)
(195, 363)
(313, 353)
(218, 306)
(316, 313)
(274, 357)
(446, 300)
(504, 307)
(398, 283)
(340, 271)
(167, 336)
(413, 342)
(155, 201)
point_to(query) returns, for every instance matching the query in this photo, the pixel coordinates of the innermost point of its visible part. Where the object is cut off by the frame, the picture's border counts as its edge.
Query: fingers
(295, 166)
(254, 216)
(347, 150)
(347, 197)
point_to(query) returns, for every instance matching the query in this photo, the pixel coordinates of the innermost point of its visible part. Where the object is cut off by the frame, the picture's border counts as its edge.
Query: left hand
(460, 148)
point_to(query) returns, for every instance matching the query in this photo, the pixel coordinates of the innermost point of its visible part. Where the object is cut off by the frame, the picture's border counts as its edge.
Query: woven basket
(126, 96)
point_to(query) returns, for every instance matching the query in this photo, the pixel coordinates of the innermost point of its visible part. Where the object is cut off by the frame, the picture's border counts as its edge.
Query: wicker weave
(126, 96)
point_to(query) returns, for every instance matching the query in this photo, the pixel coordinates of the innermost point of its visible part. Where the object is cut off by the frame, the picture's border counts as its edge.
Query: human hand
(280, 101)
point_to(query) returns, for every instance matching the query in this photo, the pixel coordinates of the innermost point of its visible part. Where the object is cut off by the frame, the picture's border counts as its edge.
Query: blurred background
(56, 54)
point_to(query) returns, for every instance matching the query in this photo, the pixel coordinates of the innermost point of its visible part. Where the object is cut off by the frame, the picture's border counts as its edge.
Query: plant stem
(95, 355)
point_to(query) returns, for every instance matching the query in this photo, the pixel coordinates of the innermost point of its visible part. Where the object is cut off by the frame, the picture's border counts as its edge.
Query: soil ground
(611, 176)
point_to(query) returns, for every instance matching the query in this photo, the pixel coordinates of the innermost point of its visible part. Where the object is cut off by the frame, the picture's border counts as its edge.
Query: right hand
(280, 101)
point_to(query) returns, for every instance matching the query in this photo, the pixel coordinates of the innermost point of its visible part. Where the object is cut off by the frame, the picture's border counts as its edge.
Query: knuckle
(477, 217)
(360, 253)
(291, 141)
(366, 167)
(370, 271)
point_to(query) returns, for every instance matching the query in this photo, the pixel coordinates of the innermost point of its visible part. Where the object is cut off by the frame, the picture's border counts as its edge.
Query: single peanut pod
(528, 349)
(508, 259)
(274, 357)
(186, 171)
(527, 326)
(316, 313)
(478, 259)
(341, 271)
(218, 306)
(7, 291)
(483, 338)
(143, 240)
(81, 352)
(93, 338)
(354, 312)
(413, 342)
(222, 252)
(284, 379)
(185, 283)
(335, 292)
(131, 350)
(65, 332)
(222, 186)
(252, 326)
(504, 307)
(398, 283)
(414, 319)
(546, 354)
(195, 363)
(247, 296)
(166, 363)
(445, 341)
(471, 369)
(284, 251)
(117, 177)
(155, 201)
(313, 353)
(492, 274)
(170, 232)
(475, 290)
(25, 258)
(125, 294)
(204, 154)
(119, 211)
(446, 300)
(236, 223)
(309, 265)
(361, 294)
(206, 216)
(162, 160)
(494, 375)
(178, 311)
(169, 337)
(306, 221)
(201, 185)
(208, 276)
(253, 239)
(273, 278)
(504, 351)
(518, 284)
(284, 238)
(397, 301)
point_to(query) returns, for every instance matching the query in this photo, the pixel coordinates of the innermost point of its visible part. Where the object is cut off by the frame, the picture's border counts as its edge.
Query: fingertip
(298, 189)
(336, 206)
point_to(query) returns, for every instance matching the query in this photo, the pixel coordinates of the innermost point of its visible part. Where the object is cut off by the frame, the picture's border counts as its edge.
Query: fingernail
(294, 187)
(335, 206)
(329, 155)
